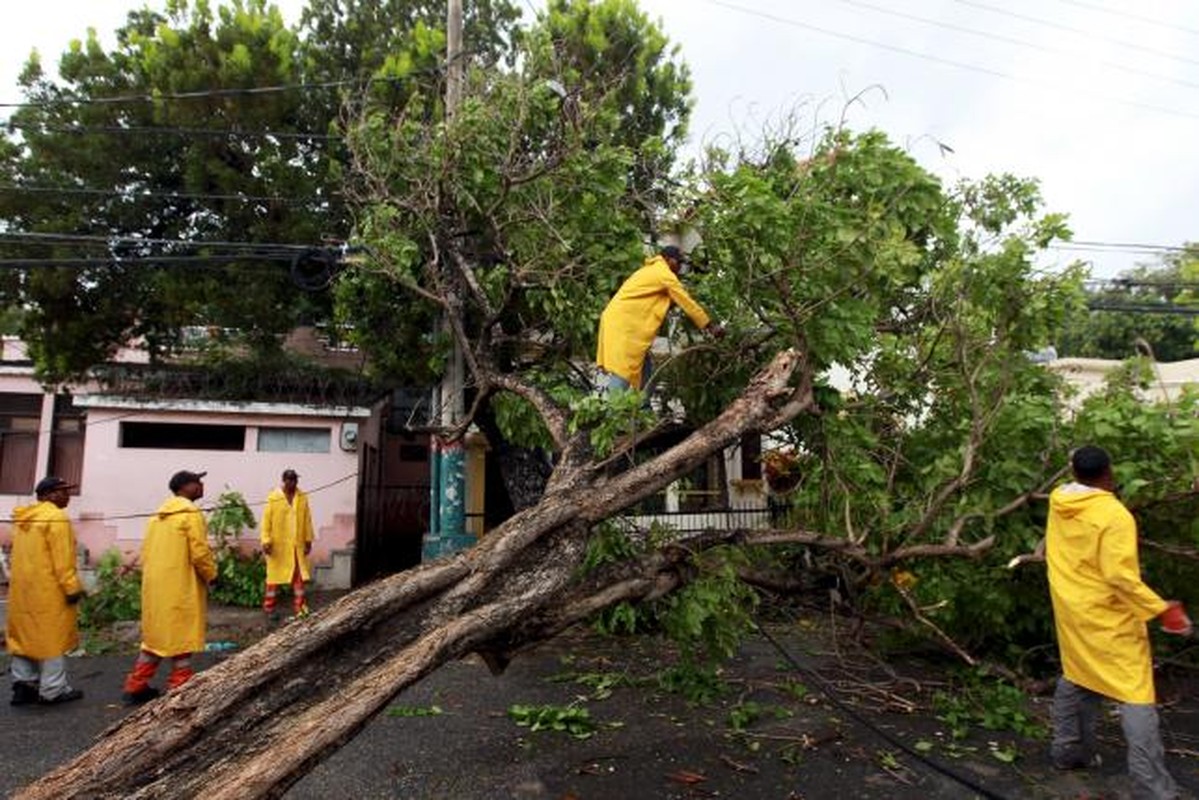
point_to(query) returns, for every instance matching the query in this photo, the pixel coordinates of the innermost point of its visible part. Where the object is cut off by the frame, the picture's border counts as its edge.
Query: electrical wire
(150, 261)
(1130, 246)
(1126, 15)
(997, 37)
(146, 130)
(831, 694)
(946, 61)
(249, 91)
(138, 194)
(1077, 31)
(69, 238)
(1143, 308)
(205, 509)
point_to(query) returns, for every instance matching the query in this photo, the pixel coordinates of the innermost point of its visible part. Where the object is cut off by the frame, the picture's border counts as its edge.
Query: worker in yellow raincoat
(177, 566)
(1100, 607)
(286, 542)
(44, 592)
(633, 315)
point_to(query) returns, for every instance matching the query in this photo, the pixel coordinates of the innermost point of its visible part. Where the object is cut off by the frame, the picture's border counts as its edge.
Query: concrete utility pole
(447, 517)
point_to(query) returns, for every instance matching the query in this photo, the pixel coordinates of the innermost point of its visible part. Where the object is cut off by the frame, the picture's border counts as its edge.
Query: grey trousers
(49, 675)
(1075, 719)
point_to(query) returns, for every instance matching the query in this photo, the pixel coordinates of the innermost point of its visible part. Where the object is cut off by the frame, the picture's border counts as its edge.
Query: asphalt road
(777, 734)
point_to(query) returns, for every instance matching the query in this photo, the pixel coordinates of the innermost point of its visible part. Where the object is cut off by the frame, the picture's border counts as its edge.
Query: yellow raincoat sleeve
(1121, 569)
(268, 523)
(683, 300)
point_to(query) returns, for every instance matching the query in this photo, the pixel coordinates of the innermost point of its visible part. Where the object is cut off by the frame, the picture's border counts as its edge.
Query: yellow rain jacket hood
(1100, 604)
(177, 565)
(40, 624)
(286, 527)
(633, 315)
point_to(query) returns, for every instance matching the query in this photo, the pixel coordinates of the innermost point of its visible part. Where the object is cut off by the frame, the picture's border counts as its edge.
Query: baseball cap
(50, 483)
(183, 477)
(673, 253)
(289, 473)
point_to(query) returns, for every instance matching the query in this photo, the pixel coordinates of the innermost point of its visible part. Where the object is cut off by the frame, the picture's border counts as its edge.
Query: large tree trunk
(317, 683)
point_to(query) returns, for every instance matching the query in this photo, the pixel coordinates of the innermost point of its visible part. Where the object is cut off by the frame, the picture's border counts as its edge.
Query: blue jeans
(611, 382)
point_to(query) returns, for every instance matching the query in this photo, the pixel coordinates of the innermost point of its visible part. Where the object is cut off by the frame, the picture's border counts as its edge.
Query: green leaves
(573, 720)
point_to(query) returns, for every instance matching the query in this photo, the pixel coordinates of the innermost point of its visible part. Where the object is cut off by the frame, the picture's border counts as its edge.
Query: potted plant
(781, 470)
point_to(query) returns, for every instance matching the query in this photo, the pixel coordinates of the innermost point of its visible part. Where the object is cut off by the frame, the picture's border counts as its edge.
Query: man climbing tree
(632, 317)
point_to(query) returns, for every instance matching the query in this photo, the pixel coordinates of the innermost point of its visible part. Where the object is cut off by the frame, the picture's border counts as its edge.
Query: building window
(294, 440)
(20, 419)
(182, 436)
(751, 457)
(66, 441)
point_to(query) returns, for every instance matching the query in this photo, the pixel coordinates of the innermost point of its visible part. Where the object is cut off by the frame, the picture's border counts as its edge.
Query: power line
(1128, 247)
(137, 194)
(1143, 308)
(39, 236)
(1126, 15)
(1077, 31)
(249, 91)
(148, 130)
(997, 37)
(945, 61)
(149, 260)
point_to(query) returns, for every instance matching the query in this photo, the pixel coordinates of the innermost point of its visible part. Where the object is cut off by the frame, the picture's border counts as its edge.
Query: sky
(1098, 99)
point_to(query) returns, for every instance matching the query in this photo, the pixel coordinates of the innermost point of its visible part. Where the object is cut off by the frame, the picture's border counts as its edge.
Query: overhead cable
(248, 91)
(997, 37)
(945, 61)
(135, 194)
(1137, 17)
(154, 130)
(1077, 31)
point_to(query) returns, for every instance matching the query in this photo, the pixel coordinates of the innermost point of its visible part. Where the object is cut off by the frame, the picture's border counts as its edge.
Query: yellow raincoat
(633, 315)
(1100, 604)
(286, 527)
(40, 623)
(177, 565)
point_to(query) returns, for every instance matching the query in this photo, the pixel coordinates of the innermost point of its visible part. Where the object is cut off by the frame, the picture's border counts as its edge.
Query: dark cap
(290, 473)
(183, 477)
(49, 484)
(673, 253)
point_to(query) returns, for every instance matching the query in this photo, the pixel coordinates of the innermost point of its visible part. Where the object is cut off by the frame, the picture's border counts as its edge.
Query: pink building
(121, 450)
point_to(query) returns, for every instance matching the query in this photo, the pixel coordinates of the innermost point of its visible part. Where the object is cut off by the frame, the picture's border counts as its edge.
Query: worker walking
(1100, 607)
(287, 536)
(633, 315)
(177, 566)
(44, 593)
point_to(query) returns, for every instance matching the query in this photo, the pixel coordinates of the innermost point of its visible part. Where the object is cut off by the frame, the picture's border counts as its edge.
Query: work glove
(307, 548)
(1175, 620)
(74, 598)
(266, 549)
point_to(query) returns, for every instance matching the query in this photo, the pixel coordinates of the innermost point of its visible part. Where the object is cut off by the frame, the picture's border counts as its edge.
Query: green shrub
(240, 577)
(116, 596)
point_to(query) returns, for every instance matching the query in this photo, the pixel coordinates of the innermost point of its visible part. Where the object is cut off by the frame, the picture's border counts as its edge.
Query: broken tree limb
(317, 682)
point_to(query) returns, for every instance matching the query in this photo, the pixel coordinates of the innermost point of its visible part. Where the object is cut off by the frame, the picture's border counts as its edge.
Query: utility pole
(447, 513)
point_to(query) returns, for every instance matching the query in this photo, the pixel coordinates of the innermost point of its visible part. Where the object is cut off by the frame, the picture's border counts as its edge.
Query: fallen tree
(513, 223)
(319, 682)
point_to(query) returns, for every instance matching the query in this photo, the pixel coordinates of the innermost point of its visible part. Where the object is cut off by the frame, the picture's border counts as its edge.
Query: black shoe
(23, 693)
(140, 696)
(65, 697)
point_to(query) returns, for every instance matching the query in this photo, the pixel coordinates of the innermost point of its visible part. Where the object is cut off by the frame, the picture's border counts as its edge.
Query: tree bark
(318, 682)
